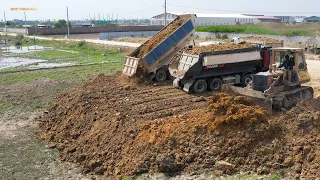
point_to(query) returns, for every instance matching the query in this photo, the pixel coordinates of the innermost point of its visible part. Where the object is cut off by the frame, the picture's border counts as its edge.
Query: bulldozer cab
(295, 70)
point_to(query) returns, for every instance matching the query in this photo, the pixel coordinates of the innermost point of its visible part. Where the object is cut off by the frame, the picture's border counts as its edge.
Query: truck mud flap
(176, 83)
(130, 66)
(187, 85)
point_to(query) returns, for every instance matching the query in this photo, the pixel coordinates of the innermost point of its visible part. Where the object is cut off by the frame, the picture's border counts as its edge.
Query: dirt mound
(93, 123)
(162, 35)
(217, 47)
(264, 39)
(235, 110)
(118, 130)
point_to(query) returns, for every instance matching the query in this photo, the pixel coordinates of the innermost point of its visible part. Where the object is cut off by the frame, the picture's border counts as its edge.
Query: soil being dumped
(217, 47)
(162, 35)
(116, 129)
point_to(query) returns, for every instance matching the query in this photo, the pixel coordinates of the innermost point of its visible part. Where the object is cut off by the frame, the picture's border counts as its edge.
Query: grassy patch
(77, 73)
(51, 55)
(40, 107)
(302, 29)
(235, 29)
(298, 33)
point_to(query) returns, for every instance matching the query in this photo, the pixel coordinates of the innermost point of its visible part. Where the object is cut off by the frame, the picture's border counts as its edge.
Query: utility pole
(165, 12)
(99, 19)
(68, 35)
(5, 20)
(25, 18)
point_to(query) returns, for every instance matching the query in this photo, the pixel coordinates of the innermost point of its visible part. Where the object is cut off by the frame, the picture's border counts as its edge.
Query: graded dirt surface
(120, 129)
(216, 47)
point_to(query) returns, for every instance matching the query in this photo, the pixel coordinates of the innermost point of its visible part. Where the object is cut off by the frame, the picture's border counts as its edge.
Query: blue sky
(56, 9)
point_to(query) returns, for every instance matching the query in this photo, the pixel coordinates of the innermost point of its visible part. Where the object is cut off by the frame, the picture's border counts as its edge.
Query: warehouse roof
(217, 15)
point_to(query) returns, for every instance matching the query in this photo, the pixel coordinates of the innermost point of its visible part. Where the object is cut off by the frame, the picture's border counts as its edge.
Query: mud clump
(235, 110)
(117, 129)
(217, 47)
(162, 35)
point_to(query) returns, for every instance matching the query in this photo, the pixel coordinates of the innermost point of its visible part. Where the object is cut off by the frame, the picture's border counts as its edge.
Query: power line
(238, 11)
(152, 7)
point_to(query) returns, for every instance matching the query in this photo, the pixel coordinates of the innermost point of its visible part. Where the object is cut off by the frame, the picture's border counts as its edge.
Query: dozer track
(290, 98)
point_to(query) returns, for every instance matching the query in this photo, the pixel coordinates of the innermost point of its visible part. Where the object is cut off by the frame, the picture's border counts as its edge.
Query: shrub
(81, 43)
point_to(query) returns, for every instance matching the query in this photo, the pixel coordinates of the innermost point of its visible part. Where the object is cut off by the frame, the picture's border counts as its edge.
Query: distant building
(208, 19)
(299, 19)
(312, 19)
(263, 18)
(286, 19)
(44, 26)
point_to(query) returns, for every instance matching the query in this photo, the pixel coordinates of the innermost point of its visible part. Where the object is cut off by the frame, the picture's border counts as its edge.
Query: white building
(208, 19)
(299, 19)
(286, 19)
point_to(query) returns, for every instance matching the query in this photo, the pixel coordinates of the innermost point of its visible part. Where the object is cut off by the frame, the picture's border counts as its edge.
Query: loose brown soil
(116, 129)
(217, 47)
(92, 124)
(162, 35)
(264, 39)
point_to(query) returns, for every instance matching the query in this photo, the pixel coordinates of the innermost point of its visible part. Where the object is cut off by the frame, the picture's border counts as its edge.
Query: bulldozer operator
(288, 63)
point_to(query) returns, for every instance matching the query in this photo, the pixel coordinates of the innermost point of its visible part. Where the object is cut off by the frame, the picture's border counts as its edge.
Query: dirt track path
(314, 71)
(95, 41)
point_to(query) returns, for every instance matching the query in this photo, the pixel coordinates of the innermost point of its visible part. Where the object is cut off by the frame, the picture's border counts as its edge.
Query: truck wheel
(161, 75)
(215, 84)
(246, 79)
(200, 86)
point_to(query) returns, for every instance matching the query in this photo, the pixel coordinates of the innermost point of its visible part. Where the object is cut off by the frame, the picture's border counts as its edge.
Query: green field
(303, 29)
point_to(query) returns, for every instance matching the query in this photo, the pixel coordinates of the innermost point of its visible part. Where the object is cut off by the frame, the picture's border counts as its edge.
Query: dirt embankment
(217, 47)
(115, 129)
(162, 35)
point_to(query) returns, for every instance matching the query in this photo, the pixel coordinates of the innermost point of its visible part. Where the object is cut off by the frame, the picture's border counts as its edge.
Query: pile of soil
(217, 47)
(162, 35)
(93, 123)
(116, 129)
(264, 39)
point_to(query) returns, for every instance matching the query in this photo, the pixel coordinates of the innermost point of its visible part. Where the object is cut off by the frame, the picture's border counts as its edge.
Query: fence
(111, 35)
(15, 30)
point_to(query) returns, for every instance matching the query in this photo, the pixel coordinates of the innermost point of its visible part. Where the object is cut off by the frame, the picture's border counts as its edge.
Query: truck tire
(246, 79)
(215, 84)
(161, 75)
(200, 86)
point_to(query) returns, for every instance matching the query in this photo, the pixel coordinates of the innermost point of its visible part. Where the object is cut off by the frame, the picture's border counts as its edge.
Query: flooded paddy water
(9, 58)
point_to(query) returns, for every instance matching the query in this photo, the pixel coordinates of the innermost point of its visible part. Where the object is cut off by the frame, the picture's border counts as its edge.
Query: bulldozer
(281, 86)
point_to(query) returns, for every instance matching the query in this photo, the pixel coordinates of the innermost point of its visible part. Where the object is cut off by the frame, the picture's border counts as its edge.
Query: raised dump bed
(209, 70)
(154, 55)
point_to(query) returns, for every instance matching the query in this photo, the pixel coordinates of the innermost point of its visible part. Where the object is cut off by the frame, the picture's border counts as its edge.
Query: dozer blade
(130, 66)
(256, 96)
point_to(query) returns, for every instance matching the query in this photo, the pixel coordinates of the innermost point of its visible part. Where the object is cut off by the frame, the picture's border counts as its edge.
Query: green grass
(302, 29)
(298, 33)
(51, 55)
(235, 29)
(77, 73)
